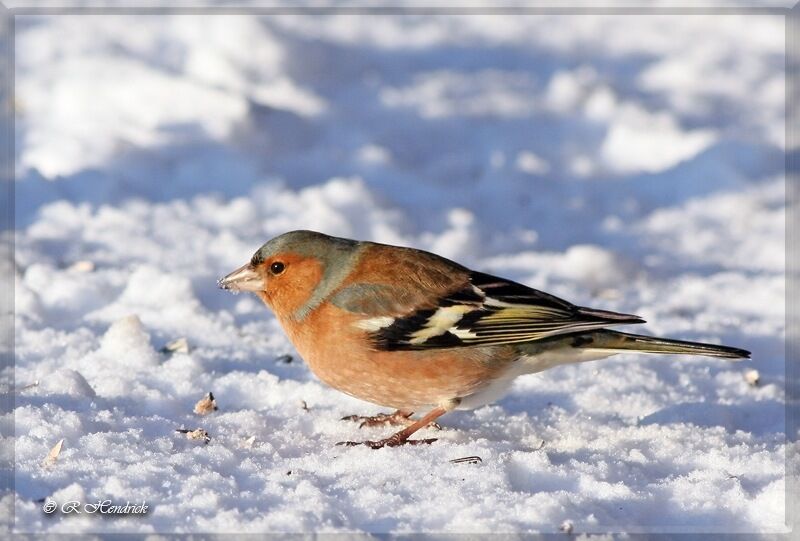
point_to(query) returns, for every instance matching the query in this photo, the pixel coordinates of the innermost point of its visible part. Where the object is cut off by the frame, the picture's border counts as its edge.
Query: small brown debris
(196, 434)
(179, 345)
(285, 359)
(752, 377)
(303, 405)
(206, 405)
(82, 266)
(466, 460)
(52, 456)
(26, 387)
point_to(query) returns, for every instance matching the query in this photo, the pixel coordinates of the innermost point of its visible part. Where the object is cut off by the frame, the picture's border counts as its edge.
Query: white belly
(498, 388)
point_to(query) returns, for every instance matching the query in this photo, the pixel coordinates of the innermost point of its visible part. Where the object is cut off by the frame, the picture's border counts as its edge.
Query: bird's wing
(482, 310)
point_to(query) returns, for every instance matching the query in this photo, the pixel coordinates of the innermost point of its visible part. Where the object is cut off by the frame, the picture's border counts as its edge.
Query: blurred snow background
(632, 163)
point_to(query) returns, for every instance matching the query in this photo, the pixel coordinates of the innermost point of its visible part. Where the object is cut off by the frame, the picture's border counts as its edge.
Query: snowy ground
(630, 163)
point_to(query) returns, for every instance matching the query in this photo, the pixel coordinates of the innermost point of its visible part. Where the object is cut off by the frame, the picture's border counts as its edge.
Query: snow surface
(632, 163)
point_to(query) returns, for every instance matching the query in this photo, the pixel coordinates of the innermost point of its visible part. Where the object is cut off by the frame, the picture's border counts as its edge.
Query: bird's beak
(245, 278)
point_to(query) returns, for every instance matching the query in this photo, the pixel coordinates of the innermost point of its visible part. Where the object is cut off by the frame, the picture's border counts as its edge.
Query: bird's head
(293, 272)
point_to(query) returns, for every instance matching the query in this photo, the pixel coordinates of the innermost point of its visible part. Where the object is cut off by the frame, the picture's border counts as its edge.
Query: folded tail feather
(619, 341)
(612, 318)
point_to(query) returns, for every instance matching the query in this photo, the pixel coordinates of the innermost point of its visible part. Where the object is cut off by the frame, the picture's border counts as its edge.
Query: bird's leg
(401, 438)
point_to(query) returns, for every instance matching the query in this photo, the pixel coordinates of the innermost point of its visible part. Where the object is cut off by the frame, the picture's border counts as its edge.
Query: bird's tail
(604, 339)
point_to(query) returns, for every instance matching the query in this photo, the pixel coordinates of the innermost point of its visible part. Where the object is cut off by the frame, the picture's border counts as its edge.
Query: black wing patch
(491, 311)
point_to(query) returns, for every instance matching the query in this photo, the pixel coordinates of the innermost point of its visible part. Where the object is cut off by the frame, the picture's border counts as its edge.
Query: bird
(413, 331)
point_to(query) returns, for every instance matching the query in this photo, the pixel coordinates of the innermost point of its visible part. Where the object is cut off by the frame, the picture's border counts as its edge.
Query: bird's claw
(397, 419)
(383, 419)
(387, 442)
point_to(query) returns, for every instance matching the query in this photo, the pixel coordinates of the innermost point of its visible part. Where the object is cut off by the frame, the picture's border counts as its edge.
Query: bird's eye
(277, 267)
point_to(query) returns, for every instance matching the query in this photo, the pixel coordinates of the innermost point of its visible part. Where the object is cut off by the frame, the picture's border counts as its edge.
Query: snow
(631, 163)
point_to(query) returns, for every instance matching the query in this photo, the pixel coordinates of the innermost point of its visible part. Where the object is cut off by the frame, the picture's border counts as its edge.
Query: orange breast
(340, 355)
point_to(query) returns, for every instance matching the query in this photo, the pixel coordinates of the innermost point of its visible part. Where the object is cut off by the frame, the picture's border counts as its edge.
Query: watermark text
(100, 507)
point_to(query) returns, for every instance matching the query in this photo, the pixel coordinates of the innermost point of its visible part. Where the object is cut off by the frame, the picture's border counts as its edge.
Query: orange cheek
(290, 290)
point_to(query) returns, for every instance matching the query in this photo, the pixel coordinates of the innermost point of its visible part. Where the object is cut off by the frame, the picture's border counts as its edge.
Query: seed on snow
(52, 456)
(466, 460)
(197, 434)
(26, 387)
(82, 266)
(206, 405)
(179, 345)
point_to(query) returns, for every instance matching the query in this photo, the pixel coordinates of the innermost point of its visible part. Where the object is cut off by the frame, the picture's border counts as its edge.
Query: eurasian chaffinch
(411, 330)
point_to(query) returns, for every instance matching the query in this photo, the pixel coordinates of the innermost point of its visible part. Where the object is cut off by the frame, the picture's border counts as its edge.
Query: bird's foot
(401, 438)
(391, 441)
(398, 418)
